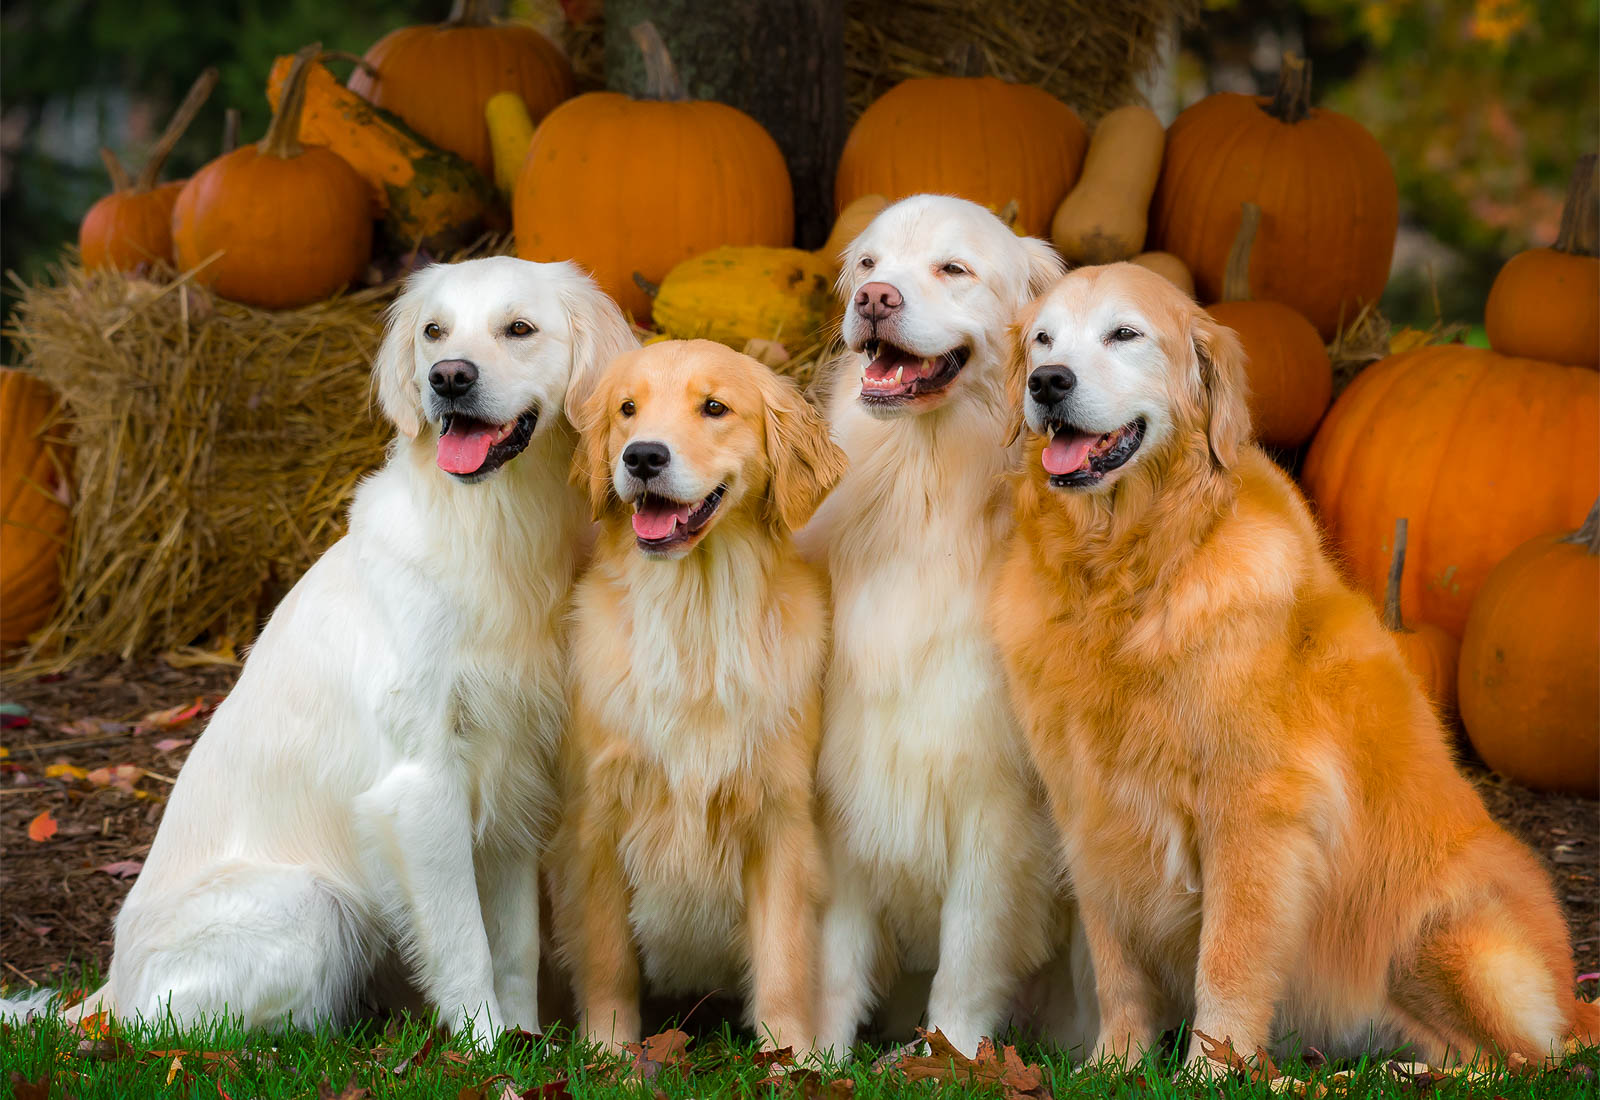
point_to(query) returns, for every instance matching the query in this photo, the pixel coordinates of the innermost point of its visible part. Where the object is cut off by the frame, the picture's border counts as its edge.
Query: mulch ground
(97, 748)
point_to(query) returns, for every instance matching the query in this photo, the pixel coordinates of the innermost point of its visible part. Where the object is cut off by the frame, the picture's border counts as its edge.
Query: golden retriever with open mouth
(1263, 823)
(690, 841)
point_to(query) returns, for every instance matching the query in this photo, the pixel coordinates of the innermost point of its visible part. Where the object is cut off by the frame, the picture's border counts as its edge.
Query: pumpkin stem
(283, 136)
(114, 169)
(1292, 101)
(1588, 536)
(199, 92)
(469, 13)
(345, 55)
(1393, 622)
(660, 75)
(968, 60)
(1579, 232)
(646, 285)
(230, 129)
(1236, 276)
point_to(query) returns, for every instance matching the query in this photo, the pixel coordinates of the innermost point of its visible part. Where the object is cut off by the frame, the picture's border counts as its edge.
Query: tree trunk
(780, 61)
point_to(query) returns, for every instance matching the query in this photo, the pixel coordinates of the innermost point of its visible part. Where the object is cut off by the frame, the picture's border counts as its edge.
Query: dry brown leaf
(1016, 1079)
(665, 1050)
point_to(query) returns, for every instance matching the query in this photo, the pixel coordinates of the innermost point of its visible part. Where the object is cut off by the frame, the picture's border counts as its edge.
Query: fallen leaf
(69, 771)
(93, 727)
(351, 1091)
(173, 717)
(810, 1084)
(550, 1090)
(24, 1089)
(122, 868)
(173, 1070)
(43, 827)
(110, 1048)
(519, 1041)
(1017, 1079)
(481, 1089)
(120, 776)
(171, 744)
(666, 1050)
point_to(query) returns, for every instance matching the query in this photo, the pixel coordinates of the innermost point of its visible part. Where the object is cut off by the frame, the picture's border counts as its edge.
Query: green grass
(138, 1063)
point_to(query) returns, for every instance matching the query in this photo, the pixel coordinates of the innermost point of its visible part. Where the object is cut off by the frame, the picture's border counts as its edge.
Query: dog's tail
(39, 1002)
(1586, 1025)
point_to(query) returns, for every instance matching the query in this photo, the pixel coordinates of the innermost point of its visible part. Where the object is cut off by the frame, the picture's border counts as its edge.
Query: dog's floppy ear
(1224, 387)
(600, 333)
(806, 463)
(395, 362)
(1017, 366)
(1045, 266)
(591, 466)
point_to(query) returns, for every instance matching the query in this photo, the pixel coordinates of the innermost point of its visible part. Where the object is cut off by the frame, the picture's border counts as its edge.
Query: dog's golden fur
(690, 841)
(1263, 822)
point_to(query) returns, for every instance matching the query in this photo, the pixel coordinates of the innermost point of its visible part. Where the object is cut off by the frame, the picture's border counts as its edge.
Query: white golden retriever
(378, 784)
(942, 854)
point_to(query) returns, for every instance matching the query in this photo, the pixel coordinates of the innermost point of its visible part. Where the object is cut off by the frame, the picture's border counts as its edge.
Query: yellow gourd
(510, 134)
(855, 217)
(737, 294)
(1104, 217)
(1169, 267)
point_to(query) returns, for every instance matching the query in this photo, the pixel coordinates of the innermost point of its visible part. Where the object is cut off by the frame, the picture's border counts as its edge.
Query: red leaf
(173, 717)
(122, 868)
(43, 827)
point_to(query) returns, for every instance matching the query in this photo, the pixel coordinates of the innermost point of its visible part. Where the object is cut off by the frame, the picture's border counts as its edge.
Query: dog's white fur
(942, 856)
(368, 806)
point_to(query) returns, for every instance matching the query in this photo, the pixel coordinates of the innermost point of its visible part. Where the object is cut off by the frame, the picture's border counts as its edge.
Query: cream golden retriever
(941, 850)
(1265, 829)
(689, 854)
(366, 809)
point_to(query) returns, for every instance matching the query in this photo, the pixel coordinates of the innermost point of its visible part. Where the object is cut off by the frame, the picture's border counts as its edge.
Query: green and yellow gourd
(737, 294)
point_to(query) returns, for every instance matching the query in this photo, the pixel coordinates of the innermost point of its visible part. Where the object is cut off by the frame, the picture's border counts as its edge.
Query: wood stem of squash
(1236, 276)
(1292, 101)
(230, 129)
(660, 74)
(470, 13)
(114, 169)
(1588, 536)
(283, 136)
(196, 98)
(1393, 621)
(1580, 220)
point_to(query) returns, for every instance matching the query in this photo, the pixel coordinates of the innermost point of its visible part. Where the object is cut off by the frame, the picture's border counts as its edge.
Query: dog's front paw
(479, 1026)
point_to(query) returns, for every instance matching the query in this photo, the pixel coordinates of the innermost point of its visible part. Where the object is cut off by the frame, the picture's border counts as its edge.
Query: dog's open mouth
(1075, 458)
(471, 449)
(895, 376)
(662, 524)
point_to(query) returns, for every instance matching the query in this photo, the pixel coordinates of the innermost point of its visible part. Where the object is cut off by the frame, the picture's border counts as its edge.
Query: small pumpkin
(1169, 267)
(288, 224)
(961, 135)
(735, 295)
(34, 514)
(855, 217)
(1429, 652)
(1327, 193)
(1482, 450)
(1530, 663)
(1291, 376)
(1105, 216)
(438, 79)
(131, 228)
(428, 198)
(593, 187)
(1545, 303)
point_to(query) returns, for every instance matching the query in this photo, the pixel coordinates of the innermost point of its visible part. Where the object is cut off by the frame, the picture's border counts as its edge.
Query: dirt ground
(58, 895)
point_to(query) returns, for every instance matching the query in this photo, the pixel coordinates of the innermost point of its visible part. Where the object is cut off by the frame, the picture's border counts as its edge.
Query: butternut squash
(427, 197)
(737, 294)
(1169, 267)
(510, 134)
(1104, 217)
(856, 216)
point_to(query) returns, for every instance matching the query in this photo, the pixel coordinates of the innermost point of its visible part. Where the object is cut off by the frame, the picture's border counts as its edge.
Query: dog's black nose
(645, 460)
(452, 377)
(1050, 384)
(876, 301)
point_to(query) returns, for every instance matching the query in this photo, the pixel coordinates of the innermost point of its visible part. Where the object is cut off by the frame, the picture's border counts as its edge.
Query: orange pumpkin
(1545, 303)
(1431, 653)
(1327, 195)
(1530, 663)
(439, 78)
(34, 517)
(1482, 450)
(595, 187)
(131, 228)
(288, 224)
(1291, 377)
(973, 136)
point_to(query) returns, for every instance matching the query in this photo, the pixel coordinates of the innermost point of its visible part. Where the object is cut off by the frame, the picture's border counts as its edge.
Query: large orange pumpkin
(635, 186)
(292, 222)
(439, 78)
(1327, 195)
(1545, 303)
(1431, 653)
(34, 517)
(131, 228)
(1530, 663)
(1482, 451)
(1291, 377)
(973, 136)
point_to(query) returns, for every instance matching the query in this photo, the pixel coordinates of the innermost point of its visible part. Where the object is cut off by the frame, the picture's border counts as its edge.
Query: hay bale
(217, 449)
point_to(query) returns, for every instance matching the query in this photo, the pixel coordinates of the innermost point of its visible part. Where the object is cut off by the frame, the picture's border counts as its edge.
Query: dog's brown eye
(1122, 335)
(628, 408)
(520, 328)
(432, 331)
(953, 269)
(867, 263)
(713, 408)
(1042, 339)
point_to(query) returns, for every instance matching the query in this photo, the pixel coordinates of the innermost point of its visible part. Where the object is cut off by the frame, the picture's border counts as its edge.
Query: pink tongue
(658, 519)
(464, 447)
(885, 365)
(1065, 453)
